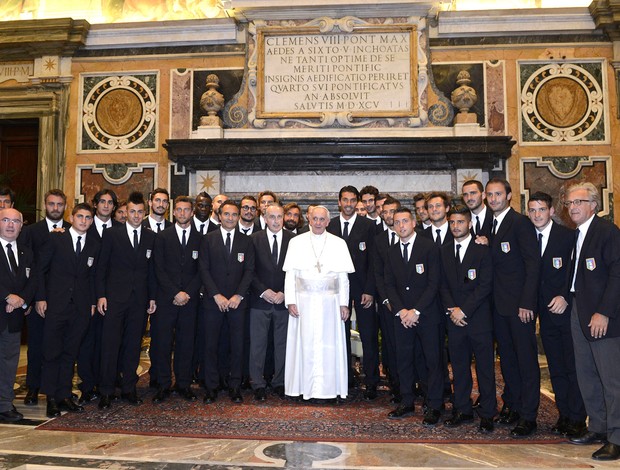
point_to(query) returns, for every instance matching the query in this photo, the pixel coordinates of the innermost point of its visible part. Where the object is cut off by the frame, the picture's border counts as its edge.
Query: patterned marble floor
(23, 447)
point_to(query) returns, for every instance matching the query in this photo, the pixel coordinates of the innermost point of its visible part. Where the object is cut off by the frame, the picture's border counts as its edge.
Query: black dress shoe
(507, 416)
(32, 397)
(576, 429)
(279, 391)
(589, 437)
(187, 393)
(431, 417)
(370, 393)
(486, 425)
(457, 419)
(161, 395)
(235, 395)
(523, 428)
(105, 402)
(131, 397)
(210, 396)
(609, 451)
(402, 412)
(11, 416)
(52, 410)
(69, 405)
(259, 394)
(88, 396)
(561, 425)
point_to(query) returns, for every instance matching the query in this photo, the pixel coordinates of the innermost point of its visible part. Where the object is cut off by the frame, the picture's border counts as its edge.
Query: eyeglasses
(249, 208)
(576, 202)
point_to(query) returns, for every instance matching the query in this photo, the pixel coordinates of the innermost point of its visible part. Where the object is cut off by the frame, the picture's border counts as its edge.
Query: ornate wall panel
(563, 103)
(121, 178)
(118, 113)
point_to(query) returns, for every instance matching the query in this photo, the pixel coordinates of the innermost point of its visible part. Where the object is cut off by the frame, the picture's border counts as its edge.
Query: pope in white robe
(316, 292)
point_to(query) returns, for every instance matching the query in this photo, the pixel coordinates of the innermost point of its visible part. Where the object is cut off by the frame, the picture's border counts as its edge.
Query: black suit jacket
(210, 226)
(360, 243)
(65, 277)
(177, 269)
(123, 272)
(146, 225)
(486, 224)
(597, 283)
(468, 286)
(23, 284)
(268, 275)
(223, 273)
(92, 231)
(415, 284)
(36, 235)
(555, 271)
(516, 265)
(380, 250)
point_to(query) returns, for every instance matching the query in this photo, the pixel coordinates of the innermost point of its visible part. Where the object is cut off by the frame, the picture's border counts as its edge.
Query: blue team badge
(505, 247)
(240, 257)
(590, 264)
(419, 268)
(471, 274)
(90, 261)
(148, 254)
(27, 272)
(557, 263)
(362, 246)
(195, 254)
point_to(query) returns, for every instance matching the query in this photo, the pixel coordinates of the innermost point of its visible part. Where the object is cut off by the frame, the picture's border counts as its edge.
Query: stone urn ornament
(463, 98)
(212, 101)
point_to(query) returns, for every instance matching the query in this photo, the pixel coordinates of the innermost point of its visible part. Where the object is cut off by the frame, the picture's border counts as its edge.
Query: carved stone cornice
(30, 39)
(606, 15)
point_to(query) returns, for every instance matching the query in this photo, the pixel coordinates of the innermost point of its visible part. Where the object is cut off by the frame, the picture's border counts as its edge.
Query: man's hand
(269, 295)
(221, 301)
(278, 298)
(408, 317)
(557, 304)
(292, 310)
(102, 305)
(15, 301)
(93, 309)
(457, 316)
(482, 240)
(181, 298)
(598, 325)
(234, 301)
(526, 315)
(152, 307)
(41, 308)
(367, 300)
(344, 312)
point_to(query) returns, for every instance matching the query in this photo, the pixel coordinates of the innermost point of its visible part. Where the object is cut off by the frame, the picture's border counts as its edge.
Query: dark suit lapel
(504, 227)
(590, 234)
(5, 262)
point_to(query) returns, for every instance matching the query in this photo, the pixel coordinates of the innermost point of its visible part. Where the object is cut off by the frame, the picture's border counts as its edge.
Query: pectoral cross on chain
(318, 265)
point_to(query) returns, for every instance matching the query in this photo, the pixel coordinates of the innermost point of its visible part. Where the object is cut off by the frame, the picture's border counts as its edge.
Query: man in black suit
(516, 269)
(264, 199)
(293, 221)
(159, 202)
(437, 206)
(368, 197)
(268, 312)
(227, 267)
(176, 265)
(423, 220)
(126, 287)
(66, 298)
(556, 244)
(412, 278)
(34, 237)
(467, 283)
(89, 357)
(481, 217)
(17, 285)
(248, 217)
(595, 318)
(359, 233)
(202, 213)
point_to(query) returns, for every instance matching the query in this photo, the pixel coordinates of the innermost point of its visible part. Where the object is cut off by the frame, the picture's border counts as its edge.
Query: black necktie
(202, 227)
(136, 243)
(104, 226)
(54, 226)
(184, 240)
(540, 237)
(158, 227)
(494, 231)
(405, 253)
(393, 238)
(228, 243)
(12, 260)
(438, 238)
(458, 255)
(78, 247)
(244, 230)
(345, 232)
(478, 225)
(274, 249)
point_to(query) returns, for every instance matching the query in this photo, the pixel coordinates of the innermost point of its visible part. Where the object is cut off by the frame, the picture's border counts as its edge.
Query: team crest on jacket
(505, 247)
(557, 263)
(419, 268)
(195, 254)
(471, 274)
(590, 264)
(27, 273)
(90, 261)
(362, 246)
(240, 257)
(148, 254)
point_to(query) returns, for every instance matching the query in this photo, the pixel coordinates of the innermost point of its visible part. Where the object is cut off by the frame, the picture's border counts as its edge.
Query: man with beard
(248, 221)
(158, 205)
(481, 218)
(34, 237)
(293, 221)
(419, 203)
(202, 212)
(359, 234)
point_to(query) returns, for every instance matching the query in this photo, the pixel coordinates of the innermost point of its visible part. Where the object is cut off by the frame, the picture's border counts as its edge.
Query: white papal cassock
(317, 268)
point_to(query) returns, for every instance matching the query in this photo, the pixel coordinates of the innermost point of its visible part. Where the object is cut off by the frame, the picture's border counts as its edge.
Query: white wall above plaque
(337, 72)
